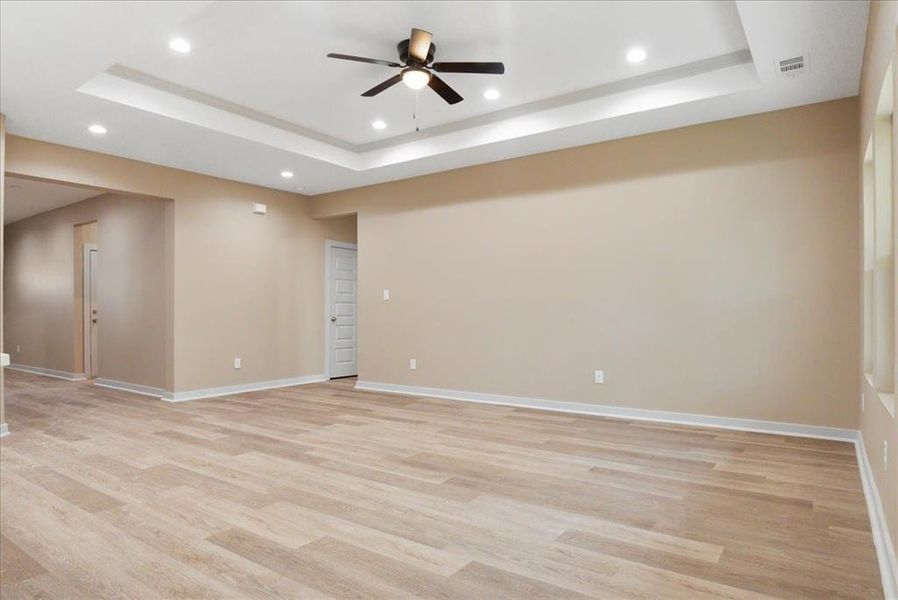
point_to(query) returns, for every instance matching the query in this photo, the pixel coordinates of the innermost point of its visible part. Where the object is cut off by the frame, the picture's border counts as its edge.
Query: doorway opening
(341, 358)
(341, 309)
(86, 299)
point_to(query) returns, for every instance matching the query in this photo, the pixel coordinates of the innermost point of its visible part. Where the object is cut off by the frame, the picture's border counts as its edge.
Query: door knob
(333, 319)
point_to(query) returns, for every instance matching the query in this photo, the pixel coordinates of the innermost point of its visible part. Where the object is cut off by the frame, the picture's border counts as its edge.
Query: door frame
(329, 246)
(86, 249)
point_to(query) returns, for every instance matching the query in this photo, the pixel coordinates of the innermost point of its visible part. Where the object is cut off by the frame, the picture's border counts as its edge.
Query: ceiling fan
(416, 62)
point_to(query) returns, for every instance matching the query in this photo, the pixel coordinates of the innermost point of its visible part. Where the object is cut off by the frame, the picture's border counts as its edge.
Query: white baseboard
(48, 372)
(639, 414)
(229, 390)
(129, 387)
(4, 429)
(888, 567)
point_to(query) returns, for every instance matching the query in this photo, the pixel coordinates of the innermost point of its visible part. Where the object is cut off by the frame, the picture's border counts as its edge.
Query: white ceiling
(279, 66)
(28, 197)
(256, 95)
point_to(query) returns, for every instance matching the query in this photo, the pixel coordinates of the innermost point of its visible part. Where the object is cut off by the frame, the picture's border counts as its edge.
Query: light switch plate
(412, 364)
(238, 363)
(599, 376)
(386, 294)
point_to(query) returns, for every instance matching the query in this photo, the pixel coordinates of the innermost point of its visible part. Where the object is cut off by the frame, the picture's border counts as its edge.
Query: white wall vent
(792, 67)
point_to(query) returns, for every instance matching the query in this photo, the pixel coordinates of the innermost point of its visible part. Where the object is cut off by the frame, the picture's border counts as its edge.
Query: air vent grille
(792, 67)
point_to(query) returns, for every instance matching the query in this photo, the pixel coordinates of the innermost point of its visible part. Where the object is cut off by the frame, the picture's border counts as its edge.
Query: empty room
(458, 300)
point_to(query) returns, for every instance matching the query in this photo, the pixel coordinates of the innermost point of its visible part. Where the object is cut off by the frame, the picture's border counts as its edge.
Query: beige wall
(706, 270)
(877, 424)
(341, 229)
(43, 291)
(749, 329)
(250, 286)
(243, 285)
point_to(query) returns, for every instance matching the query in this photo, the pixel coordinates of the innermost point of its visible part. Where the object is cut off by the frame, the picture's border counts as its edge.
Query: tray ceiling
(256, 96)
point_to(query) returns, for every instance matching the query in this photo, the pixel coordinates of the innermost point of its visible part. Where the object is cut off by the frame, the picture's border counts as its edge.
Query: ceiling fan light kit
(418, 69)
(415, 77)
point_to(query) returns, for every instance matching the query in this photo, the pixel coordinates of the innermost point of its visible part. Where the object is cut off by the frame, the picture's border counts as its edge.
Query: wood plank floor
(322, 491)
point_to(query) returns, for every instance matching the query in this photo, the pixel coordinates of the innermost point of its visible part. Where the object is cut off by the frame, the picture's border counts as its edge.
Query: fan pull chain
(415, 114)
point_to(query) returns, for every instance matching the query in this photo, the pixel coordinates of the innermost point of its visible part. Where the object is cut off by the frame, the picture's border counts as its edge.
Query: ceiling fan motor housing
(404, 57)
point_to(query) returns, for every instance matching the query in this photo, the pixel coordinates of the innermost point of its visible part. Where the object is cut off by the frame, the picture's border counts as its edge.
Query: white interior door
(343, 312)
(91, 265)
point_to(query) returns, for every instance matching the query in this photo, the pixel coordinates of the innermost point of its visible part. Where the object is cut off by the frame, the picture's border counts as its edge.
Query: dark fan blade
(489, 68)
(382, 86)
(419, 44)
(442, 88)
(373, 61)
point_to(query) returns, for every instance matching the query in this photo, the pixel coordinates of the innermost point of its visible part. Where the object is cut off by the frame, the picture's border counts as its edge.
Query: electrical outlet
(18, 348)
(412, 364)
(862, 403)
(238, 363)
(599, 376)
(885, 455)
(386, 294)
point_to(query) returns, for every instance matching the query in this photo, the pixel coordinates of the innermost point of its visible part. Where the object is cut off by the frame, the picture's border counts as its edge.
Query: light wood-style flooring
(322, 491)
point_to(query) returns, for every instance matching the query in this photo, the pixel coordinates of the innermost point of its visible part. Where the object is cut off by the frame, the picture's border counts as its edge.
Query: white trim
(888, 568)
(329, 245)
(129, 387)
(4, 430)
(48, 372)
(640, 414)
(229, 390)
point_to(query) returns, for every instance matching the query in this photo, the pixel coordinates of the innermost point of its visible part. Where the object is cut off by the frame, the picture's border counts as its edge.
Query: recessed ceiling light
(379, 124)
(286, 174)
(636, 55)
(97, 129)
(179, 45)
(491, 94)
